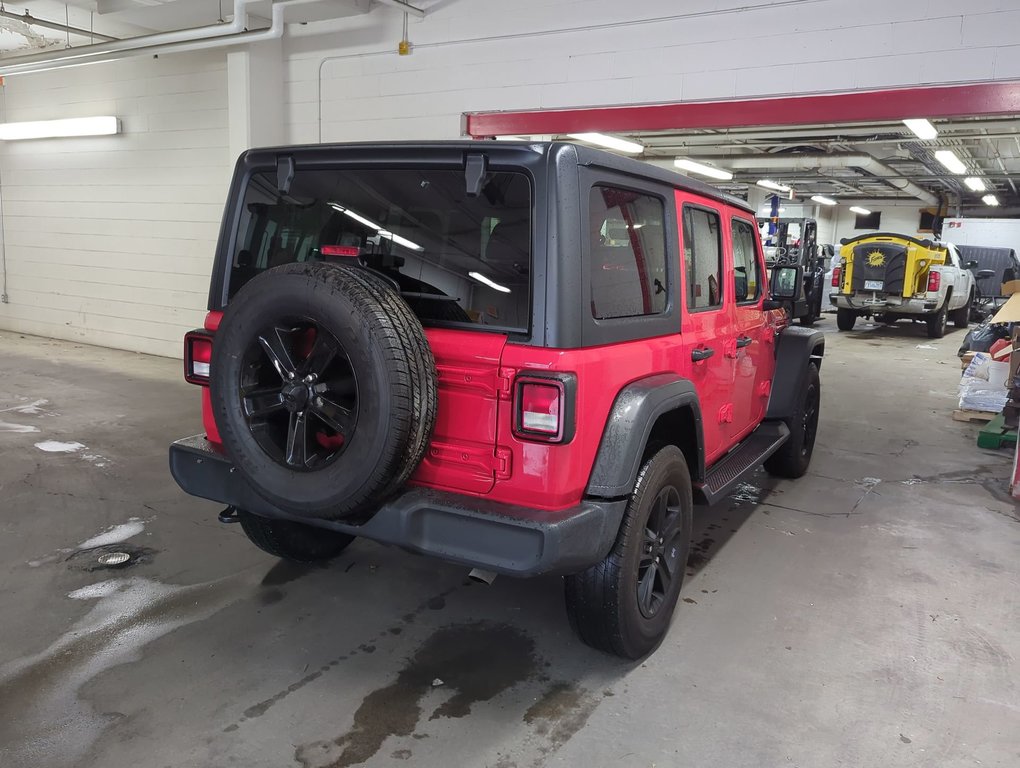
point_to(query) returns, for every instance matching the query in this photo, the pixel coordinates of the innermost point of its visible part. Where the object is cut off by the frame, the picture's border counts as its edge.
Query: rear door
(707, 325)
(753, 363)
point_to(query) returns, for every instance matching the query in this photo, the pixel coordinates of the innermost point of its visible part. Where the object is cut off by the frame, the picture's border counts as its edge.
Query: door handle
(743, 341)
(702, 353)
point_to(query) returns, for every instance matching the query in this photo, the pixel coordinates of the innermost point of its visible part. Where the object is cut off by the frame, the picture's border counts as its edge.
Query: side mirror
(787, 283)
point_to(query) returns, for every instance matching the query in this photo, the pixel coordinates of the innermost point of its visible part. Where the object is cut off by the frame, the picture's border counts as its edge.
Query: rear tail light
(197, 356)
(544, 407)
(837, 273)
(934, 281)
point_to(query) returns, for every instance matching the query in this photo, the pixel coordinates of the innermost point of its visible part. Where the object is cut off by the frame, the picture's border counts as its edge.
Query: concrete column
(255, 97)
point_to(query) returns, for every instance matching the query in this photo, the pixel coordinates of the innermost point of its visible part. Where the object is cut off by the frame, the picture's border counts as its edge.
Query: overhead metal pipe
(273, 31)
(809, 161)
(28, 18)
(21, 64)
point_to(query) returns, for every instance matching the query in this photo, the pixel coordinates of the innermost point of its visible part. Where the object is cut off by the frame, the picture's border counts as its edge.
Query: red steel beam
(1002, 98)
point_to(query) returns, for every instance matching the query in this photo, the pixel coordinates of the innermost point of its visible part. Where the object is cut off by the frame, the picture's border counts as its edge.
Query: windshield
(456, 259)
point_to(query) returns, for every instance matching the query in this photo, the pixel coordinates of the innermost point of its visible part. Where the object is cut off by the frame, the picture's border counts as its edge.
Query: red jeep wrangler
(528, 358)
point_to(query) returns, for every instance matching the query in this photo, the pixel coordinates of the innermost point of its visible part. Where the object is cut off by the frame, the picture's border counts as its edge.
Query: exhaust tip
(482, 577)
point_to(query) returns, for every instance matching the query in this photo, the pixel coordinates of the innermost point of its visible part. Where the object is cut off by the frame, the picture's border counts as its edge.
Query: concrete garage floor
(866, 615)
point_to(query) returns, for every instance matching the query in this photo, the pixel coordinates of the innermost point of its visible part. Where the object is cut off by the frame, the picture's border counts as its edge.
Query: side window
(702, 258)
(746, 277)
(628, 253)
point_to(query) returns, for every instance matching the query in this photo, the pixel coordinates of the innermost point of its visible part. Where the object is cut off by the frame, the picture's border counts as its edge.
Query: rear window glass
(456, 259)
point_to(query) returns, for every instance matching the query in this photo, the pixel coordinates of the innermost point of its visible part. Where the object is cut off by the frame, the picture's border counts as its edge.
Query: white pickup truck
(891, 277)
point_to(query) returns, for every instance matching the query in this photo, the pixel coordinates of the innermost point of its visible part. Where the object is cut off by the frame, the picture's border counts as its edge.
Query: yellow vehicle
(891, 277)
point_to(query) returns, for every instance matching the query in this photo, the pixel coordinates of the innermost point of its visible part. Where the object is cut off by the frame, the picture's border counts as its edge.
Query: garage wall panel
(109, 240)
(478, 56)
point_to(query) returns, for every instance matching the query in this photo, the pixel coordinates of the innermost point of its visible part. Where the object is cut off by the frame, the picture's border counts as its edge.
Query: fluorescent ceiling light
(922, 128)
(610, 142)
(486, 281)
(772, 185)
(704, 170)
(974, 183)
(823, 200)
(768, 211)
(858, 209)
(990, 200)
(51, 129)
(400, 240)
(949, 159)
(510, 138)
(372, 225)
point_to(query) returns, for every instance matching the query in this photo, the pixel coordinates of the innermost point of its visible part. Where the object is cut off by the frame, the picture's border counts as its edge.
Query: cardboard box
(1010, 311)
(1013, 286)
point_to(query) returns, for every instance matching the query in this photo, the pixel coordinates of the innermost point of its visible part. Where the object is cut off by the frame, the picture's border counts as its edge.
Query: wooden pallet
(973, 416)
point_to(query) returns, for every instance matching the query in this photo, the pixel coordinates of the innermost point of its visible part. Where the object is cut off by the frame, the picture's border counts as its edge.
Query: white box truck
(989, 233)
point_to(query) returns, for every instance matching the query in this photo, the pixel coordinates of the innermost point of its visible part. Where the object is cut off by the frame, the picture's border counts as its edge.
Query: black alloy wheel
(794, 456)
(299, 394)
(660, 552)
(809, 420)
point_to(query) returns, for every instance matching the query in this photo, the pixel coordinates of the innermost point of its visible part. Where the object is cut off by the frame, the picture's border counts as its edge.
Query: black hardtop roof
(584, 156)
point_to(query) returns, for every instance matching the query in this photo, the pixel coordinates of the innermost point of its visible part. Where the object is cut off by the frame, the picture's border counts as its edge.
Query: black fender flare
(796, 348)
(629, 425)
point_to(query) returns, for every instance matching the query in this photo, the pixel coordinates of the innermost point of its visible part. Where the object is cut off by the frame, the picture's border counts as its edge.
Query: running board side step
(741, 461)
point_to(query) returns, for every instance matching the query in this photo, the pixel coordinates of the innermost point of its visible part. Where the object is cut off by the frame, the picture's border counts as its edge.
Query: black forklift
(794, 243)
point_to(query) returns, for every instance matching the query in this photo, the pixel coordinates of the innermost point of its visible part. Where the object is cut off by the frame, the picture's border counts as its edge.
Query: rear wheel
(624, 604)
(937, 323)
(794, 457)
(961, 316)
(845, 319)
(293, 541)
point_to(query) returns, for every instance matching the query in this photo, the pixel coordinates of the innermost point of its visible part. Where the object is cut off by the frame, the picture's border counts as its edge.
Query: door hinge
(502, 463)
(505, 383)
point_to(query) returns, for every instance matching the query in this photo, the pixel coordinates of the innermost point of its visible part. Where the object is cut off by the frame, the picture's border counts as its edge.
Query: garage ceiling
(855, 162)
(133, 18)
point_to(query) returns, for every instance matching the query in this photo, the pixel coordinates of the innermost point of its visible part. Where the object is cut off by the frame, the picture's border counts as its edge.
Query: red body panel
(462, 456)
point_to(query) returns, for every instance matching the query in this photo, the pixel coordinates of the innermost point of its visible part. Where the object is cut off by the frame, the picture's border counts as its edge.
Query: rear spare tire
(323, 388)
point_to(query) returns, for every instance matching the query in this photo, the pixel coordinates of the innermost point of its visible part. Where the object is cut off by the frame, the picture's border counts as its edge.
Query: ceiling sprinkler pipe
(31, 20)
(272, 32)
(85, 52)
(805, 161)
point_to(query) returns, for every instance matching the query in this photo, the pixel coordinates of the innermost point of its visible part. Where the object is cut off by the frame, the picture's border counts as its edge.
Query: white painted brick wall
(109, 240)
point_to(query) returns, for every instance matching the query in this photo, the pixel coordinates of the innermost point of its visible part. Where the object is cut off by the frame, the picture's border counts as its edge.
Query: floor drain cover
(114, 558)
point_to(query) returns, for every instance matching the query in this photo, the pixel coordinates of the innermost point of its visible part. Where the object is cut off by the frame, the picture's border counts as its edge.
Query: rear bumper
(882, 303)
(517, 541)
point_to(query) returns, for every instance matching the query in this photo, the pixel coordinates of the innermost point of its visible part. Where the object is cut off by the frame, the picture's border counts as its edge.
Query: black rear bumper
(517, 541)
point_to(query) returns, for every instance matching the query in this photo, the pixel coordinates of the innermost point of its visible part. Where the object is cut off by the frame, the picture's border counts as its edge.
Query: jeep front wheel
(323, 388)
(845, 319)
(794, 456)
(624, 604)
(293, 541)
